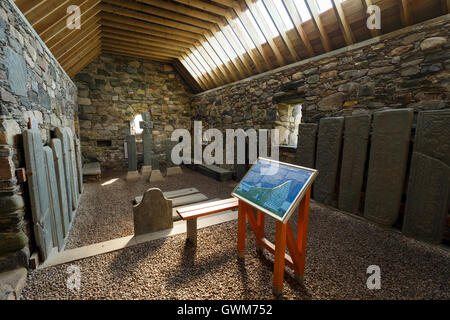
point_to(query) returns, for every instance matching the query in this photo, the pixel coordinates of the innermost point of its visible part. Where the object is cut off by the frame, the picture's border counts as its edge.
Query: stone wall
(113, 90)
(32, 85)
(407, 68)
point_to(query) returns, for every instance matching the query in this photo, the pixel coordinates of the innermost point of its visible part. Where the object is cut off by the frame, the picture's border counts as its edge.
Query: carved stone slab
(73, 169)
(62, 136)
(153, 213)
(387, 164)
(131, 150)
(53, 196)
(306, 149)
(329, 143)
(354, 154)
(433, 134)
(55, 144)
(38, 188)
(79, 164)
(428, 199)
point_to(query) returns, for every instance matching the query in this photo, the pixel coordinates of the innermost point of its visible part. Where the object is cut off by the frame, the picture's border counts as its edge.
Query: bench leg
(192, 231)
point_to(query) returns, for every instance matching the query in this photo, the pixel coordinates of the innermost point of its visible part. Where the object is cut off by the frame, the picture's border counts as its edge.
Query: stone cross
(147, 125)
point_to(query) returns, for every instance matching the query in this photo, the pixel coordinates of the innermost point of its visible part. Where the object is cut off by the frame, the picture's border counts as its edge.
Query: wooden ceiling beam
(125, 52)
(84, 49)
(142, 38)
(319, 25)
(163, 4)
(48, 10)
(59, 29)
(137, 44)
(143, 27)
(161, 24)
(217, 61)
(208, 7)
(163, 17)
(145, 33)
(26, 6)
(405, 12)
(78, 36)
(220, 52)
(297, 20)
(343, 23)
(89, 18)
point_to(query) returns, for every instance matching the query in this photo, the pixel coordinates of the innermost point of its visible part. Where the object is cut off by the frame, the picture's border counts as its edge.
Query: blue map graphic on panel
(275, 193)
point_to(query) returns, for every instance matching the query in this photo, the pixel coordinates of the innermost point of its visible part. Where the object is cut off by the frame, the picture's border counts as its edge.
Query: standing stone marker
(172, 169)
(327, 159)
(306, 149)
(55, 144)
(354, 155)
(153, 213)
(79, 164)
(62, 136)
(53, 196)
(132, 174)
(73, 168)
(38, 188)
(147, 125)
(427, 202)
(387, 164)
(428, 199)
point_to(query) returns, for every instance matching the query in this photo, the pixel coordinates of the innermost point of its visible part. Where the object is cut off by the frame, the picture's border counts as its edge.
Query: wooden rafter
(405, 12)
(296, 19)
(318, 23)
(343, 23)
(280, 24)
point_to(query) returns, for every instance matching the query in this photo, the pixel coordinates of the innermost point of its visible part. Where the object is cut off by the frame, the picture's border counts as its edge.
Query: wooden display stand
(284, 237)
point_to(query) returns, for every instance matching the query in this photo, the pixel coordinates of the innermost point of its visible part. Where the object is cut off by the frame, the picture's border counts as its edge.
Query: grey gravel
(340, 248)
(105, 212)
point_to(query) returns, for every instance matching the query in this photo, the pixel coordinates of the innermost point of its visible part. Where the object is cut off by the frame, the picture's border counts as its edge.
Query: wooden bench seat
(191, 213)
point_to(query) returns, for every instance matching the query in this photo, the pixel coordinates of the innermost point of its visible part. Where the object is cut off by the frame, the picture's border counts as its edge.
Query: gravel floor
(105, 211)
(340, 248)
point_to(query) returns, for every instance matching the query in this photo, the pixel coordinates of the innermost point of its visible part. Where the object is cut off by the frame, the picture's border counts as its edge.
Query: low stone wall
(406, 68)
(113, 90)
(32, 85)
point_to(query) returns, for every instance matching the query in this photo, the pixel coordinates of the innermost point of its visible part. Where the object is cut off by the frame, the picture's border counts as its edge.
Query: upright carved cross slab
(146, 124)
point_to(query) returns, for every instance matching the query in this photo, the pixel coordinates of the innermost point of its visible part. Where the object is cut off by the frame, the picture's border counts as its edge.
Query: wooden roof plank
(296, 19)
(318, 23)
(345, 27)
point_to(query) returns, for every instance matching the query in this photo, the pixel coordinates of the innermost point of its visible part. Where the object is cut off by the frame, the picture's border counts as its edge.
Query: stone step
(92, 169)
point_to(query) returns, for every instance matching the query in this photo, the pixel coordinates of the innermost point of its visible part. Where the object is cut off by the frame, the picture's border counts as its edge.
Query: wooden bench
(191, 213)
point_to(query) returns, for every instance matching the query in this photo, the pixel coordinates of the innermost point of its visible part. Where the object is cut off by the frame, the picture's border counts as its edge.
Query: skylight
(267, 19)
(285, 18)
(225, 45)
(324, 5)
(260, 37)
(302, 10)
(231, 36)
(247, 38)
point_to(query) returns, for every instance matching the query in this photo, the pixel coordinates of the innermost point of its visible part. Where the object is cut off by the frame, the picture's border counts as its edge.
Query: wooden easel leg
(302, 232)
(260, 226)
(241, 230)
(280, 249)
